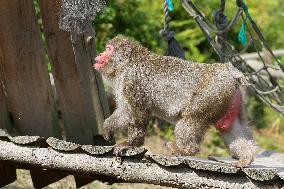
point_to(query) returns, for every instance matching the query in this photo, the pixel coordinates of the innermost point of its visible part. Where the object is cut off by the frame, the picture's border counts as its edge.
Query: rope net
(267, 87)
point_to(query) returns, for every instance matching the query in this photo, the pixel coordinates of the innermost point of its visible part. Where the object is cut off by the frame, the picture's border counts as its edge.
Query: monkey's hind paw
(172, 147)
(241, 163)
(120, 148)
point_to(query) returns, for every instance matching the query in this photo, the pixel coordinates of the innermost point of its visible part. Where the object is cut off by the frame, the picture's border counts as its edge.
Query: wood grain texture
(78, 121)
(129, 169)
(81, 93)
(85, 52)
(24, 70)
(4, 114)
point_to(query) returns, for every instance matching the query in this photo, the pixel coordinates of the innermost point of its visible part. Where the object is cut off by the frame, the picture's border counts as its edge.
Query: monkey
(190, 95)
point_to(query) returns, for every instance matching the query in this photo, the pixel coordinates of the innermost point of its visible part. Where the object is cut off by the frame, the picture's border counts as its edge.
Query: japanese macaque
(190, 95)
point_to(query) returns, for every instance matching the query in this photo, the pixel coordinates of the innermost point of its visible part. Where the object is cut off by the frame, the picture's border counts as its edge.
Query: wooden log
(127, 169)
(24, 70)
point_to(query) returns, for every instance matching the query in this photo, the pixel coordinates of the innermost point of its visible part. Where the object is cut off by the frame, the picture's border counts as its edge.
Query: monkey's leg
(238, 138)
(189, 133)
(118, 120)
(136, 138)
(136, 133)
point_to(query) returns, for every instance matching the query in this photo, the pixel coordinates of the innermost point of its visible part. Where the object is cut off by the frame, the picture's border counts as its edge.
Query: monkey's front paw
(108, 134)
(119, 148)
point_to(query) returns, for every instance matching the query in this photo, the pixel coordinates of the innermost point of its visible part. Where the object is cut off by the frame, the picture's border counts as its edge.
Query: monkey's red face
(103, 58)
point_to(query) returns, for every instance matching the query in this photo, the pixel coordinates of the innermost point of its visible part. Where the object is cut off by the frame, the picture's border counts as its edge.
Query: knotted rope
(242, 34)
(174, 48)
(221, 23)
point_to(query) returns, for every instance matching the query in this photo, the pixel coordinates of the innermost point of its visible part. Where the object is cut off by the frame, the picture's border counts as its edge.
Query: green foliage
(255, 110)
(168, 133)
(144, 19)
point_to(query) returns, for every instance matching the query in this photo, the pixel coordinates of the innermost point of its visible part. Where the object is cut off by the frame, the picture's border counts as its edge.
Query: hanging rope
(221, 22)
(174, 48)
(242, 34)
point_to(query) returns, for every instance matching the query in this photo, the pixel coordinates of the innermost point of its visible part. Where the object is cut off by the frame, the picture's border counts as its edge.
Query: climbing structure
(267, 87)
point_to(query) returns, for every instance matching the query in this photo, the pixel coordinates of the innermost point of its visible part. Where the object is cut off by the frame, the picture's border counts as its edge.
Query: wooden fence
(29, 40)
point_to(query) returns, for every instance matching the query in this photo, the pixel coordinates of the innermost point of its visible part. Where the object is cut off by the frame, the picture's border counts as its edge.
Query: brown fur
(190, 95)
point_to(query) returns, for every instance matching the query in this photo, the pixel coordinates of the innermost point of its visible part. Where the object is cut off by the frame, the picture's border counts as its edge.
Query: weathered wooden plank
(81, 93)
(7, 174)
(78, 121)
(24, 70)
(101, 103)
(4, 114)
(83, 47)
(129, 169)
(83, 180)
(43, 178)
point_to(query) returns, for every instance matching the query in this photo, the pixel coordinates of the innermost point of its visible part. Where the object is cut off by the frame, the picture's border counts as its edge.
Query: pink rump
(232, 112)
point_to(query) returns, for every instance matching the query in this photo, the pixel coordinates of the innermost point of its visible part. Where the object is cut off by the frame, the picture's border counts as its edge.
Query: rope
(242, 34)
(166, 16)
(174, 48)
(221, 22)
(268, 88)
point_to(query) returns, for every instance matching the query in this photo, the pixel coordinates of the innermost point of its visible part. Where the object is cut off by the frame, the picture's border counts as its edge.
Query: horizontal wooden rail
(128, 169)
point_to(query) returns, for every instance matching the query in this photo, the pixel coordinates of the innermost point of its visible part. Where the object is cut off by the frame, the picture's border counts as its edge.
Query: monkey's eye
(109, 48)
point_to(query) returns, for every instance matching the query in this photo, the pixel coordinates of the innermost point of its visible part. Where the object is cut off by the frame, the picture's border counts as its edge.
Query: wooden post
(4, 114)
(84, 50)
(81, 94)
(24, 70)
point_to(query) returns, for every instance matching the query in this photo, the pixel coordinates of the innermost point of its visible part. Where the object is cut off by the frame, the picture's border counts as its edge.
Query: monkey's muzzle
(103, 58)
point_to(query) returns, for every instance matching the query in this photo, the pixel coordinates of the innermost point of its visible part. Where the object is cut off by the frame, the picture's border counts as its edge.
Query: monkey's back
(169, 84)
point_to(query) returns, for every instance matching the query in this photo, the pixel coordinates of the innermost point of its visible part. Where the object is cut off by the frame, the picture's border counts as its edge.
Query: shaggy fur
(190, 95)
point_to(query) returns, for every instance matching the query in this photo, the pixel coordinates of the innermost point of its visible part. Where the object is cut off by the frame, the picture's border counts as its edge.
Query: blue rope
(242, 34)
(170, 5)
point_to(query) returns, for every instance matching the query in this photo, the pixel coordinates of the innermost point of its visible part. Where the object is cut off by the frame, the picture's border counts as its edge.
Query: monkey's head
(116, 57)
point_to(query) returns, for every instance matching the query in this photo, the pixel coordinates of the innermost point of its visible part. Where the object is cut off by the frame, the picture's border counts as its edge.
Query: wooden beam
(247, 56)
(24, 70)
(127, 169)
